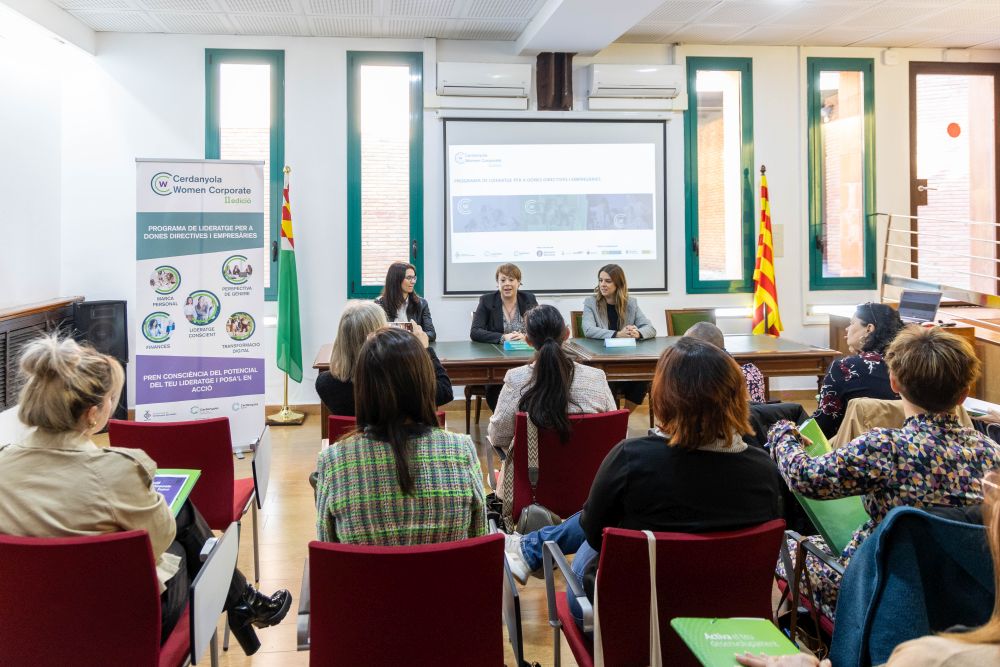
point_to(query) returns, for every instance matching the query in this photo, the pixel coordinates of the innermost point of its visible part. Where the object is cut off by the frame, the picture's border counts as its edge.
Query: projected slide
(539, 202)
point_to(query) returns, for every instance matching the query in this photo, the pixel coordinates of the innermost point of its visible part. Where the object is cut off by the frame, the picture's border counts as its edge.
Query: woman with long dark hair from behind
(400, 479)
(550, 388)
(401, 302)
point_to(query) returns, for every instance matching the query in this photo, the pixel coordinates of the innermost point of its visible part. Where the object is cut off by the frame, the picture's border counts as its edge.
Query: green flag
(289, 357)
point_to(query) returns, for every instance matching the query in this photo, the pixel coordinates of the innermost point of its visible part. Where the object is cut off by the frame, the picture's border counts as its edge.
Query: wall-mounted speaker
(102, 324)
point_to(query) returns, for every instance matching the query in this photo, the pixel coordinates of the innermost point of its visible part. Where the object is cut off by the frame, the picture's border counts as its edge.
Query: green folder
(715, 641)
(175, 485)
(837, 519)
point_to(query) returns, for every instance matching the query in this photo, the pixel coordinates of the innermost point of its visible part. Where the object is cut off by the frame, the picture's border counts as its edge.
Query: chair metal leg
(468, 410)
(225, 638)
(556, 649)
(256, 540)
(214, 647)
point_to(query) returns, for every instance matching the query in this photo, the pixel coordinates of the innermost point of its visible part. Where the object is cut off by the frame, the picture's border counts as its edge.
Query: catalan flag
(289, 355)
(765, 290)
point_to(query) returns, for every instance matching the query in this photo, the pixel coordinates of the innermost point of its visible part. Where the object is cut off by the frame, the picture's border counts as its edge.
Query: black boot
(256, 609)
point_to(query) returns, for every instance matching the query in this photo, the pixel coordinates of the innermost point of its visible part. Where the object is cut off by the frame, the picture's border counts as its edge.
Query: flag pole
(286, 416)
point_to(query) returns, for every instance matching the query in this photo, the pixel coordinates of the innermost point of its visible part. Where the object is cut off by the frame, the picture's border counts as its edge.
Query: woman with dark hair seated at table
(691, 474)
(400, 479)
(401, 302)
(58, 483)
(862, 374)
(500, 316)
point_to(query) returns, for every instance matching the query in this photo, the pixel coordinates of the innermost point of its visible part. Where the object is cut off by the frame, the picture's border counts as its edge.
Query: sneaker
(515, 560)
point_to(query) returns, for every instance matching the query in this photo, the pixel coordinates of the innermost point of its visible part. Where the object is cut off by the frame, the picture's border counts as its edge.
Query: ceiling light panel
(421, 8)
(341, 7)
(322, 26)
(194, 24)
(885, 17)
(260, 6)
(707, 34)
(266, 25)
(116, 21)
(817, 15)
(177, 5)
(501, 9)
(94, 4)
(741, 12)
(414, 28)
(679, 12)
(497, 31)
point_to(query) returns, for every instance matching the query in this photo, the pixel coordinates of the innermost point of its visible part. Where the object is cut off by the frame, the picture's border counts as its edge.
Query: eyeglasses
(412, 279)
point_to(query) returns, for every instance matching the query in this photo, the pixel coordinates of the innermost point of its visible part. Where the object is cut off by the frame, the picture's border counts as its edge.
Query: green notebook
(715, 641)
(516, 345)
(836, 520)
(175, 485)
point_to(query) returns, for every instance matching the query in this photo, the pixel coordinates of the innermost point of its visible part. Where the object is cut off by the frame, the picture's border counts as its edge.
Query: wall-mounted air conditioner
(483, 79)
(636, 81)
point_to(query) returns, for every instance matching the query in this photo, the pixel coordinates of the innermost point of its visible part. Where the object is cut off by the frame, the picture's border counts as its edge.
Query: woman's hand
(630, 331)
(418, 331)
(797, 660)
(514, 335)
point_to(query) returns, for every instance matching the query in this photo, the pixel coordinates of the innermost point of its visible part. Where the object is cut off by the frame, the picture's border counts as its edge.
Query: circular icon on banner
(240, 326)
(954, 129)
(157, 327)
(165, 279)
(236, 270)
(160, 183)
(201, 307)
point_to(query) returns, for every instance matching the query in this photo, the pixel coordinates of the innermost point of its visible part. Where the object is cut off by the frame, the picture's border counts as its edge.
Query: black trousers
(633, 390)
(192, 533)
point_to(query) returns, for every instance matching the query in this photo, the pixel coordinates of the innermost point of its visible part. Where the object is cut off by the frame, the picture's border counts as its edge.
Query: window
(385, 203)
(245, 120)
(841, 173)
(719, 201)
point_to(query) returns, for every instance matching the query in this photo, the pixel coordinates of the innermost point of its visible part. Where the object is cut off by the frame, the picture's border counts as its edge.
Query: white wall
(143, 96)
(30, 76)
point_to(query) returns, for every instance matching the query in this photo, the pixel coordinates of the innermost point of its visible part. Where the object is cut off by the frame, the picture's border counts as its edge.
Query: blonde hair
(359, 320)
(933, 367)
(62, 380)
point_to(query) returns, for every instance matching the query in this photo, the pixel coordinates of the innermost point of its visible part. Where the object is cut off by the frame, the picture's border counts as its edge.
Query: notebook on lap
(175, 485)
(836, 520)
(714, 641)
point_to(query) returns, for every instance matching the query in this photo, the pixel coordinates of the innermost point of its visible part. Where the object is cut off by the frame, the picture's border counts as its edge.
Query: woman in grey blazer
(612, 313)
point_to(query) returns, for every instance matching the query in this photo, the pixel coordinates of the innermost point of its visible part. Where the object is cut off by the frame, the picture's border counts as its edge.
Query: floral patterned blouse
(859, 375)
(931, 460)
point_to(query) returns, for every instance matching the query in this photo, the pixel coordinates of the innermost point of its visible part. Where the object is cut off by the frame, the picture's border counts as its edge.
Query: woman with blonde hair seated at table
(400, 479)
(358, 321)
(57, 483)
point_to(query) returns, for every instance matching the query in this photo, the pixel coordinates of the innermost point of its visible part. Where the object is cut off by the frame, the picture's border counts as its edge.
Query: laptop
(918, 307)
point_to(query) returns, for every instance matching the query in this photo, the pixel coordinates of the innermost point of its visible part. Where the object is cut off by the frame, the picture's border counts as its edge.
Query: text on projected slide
(542, 201)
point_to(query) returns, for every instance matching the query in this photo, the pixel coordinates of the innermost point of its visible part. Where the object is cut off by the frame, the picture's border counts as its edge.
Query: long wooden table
(485, 363)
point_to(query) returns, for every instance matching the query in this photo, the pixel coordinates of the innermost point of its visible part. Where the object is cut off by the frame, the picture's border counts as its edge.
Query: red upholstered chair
(339, 425)
(435, 604)
(84, 601)
(204, 445)
(566, 470)
(720, 574)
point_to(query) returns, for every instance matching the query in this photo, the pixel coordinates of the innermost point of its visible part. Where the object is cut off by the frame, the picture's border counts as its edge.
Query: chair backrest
(576, 323)
(566, 470)
(682, 319)
(710, 575)
(339, 425)
(438, 604)
(204, 445)
(79, 600)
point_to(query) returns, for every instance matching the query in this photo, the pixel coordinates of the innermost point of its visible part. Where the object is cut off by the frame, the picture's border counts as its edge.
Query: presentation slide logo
(165, 279)
(236, 270)
(157, 327)
(160, 183)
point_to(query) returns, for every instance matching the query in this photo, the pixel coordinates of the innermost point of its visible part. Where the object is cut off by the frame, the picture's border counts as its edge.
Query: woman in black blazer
(401, 302)
(500, 316)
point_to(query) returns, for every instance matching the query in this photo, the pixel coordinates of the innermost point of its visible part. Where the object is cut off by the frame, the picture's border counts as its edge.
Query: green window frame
(817, 246)
(695, 283)
(355, 60)
(276, 59)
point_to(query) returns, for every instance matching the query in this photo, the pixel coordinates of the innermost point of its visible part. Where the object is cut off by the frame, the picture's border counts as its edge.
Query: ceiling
(878, 23)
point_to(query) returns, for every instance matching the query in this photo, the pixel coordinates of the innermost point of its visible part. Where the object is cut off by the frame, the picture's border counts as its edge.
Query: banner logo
(160, 183)
(157, 327)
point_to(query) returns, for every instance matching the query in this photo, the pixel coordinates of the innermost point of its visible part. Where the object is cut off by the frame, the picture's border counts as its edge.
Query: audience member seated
(500, 316)
(401, 302)
(399, 479)
(548, 389)
(359, 320)
(612, 313)
(58, 483)
(692, 474)
(873, 327)
(931, 461)
(710, 333)
(975, 648)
